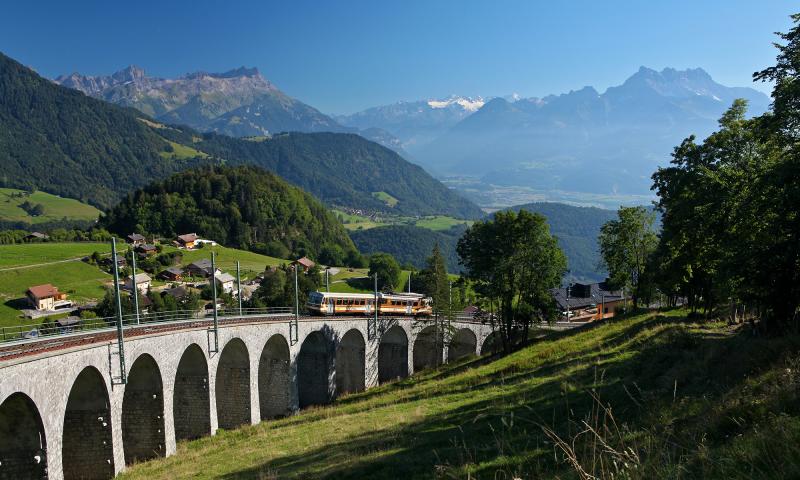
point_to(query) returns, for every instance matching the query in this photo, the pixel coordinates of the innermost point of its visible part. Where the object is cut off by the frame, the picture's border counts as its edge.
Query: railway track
(31, 347)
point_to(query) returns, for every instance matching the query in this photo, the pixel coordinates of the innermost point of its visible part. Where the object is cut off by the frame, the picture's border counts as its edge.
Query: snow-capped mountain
(415, 123)
(585, 140)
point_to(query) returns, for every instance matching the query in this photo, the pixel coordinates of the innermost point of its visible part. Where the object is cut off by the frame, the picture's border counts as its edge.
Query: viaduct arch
(190, 399)
(273, 379)
(23, 447)
(393, 355)
(351, 363)
(87, 449)
(232, 387)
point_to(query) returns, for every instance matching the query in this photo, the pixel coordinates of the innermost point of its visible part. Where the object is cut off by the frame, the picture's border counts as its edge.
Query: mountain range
(416, 123)
(239, 102)
(581, 141)
(61, 141)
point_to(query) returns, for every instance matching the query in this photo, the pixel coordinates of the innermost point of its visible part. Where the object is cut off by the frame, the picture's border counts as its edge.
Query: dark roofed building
(177, 293)
(587, 301)
(145, 250)
(200, 268)
(171, 274)
(135, 239)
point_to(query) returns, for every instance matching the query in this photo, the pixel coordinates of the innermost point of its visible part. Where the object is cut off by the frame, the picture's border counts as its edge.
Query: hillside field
(25, 265)
(55, 207)
(655, 396)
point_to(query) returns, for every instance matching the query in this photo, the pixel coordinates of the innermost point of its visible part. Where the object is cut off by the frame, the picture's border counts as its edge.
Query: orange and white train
(328, 303)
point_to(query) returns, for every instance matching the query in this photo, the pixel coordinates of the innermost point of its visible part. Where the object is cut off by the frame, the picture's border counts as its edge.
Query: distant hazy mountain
(239, 102)
(60, 141)
(415, 123)
(586, 141)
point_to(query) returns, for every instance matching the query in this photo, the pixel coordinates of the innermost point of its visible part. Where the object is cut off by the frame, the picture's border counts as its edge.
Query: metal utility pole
(293, 325)
(123, 376)
(214, 295)
(450, 300)
(135, 284)
(602, 306)
(239, 287)
(296, 297)
(568, 285)
(370, 331)
(327, 279)
(409, 282)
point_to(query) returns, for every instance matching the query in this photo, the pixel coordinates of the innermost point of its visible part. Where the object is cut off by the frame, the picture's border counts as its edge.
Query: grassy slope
(385, 198)
(250, 263)
(36, 253)
(182, 152)
(436, 223)
(55, 207)
(689, 400)
(440, 222)
(356, 281)
(84, 282)
(81, 281)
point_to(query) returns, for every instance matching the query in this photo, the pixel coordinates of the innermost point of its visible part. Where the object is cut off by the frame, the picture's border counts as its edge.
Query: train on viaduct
(64, 414)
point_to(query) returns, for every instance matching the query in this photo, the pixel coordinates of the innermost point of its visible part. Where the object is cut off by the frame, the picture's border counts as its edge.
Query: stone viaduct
(62, 416)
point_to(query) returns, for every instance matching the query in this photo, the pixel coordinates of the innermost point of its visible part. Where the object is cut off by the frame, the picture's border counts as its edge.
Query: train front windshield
(315, 298)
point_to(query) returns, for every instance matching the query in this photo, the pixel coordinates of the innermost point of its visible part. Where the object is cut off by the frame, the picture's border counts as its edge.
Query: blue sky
(345, 56)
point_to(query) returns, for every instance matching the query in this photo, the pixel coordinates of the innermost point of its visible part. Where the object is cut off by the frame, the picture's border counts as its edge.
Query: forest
(410, 244)
(242, 207)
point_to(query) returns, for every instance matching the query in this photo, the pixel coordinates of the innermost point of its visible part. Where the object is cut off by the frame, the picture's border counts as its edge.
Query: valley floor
(655, 396)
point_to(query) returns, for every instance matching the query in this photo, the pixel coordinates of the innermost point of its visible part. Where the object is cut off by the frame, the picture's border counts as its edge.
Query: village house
(135, 239)
(200, 268)
(144, 303)
(587, 302)
(178, 293)
(146, 250)
(171, 274)
(186, 241)
(121, 261)
(47, 297)
(305, 263)
(226, 282)
(143, 282)
(36, 237)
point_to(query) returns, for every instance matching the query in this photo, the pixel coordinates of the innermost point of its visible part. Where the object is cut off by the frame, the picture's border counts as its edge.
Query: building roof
(43, 291)
(135, 237)
(37, 235)
(585, 294)
(202, 264)
(225, 277)
(187, 237)
(306, 262)
(146, 247)
(173, 270)
(177, 292)
(142, 278)
(471, 310)
(68, 321)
